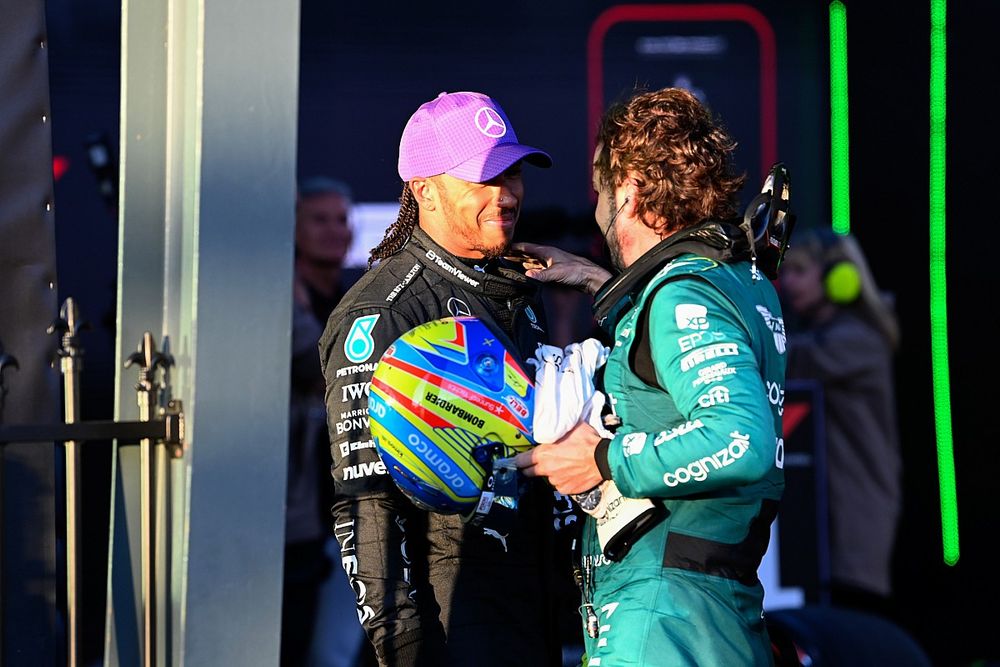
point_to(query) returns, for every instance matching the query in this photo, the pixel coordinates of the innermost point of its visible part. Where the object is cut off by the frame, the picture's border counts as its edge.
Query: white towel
(564, 396)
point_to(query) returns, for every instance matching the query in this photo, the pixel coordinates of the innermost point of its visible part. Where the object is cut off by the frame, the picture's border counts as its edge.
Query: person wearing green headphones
(846, 341)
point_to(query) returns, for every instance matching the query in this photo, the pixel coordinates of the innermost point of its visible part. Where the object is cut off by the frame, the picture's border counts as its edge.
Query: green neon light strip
(840, 172)
(939, 290)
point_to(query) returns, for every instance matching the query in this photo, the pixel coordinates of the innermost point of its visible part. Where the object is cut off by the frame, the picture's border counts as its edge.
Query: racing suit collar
(504, 279)
(719, 240)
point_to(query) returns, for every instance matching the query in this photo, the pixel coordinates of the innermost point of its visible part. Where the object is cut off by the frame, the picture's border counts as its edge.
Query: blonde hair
(828, 248)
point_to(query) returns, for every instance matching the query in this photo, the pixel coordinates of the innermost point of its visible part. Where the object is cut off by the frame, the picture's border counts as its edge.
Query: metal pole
(162, 526)
(146, 390)
(70, 364)
(148, 537)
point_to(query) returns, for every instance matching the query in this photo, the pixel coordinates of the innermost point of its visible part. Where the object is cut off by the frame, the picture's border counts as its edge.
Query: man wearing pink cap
(432, 590)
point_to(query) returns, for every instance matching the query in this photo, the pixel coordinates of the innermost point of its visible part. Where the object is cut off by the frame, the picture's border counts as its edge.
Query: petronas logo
(360, 345)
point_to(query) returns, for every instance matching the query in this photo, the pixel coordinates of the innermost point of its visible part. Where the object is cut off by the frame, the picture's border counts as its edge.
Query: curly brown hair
(680, 159)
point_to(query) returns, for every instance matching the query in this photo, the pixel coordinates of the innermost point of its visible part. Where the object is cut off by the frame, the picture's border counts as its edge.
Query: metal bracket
(172, 417)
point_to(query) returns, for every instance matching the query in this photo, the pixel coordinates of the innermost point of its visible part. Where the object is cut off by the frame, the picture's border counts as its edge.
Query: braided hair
(398, 232)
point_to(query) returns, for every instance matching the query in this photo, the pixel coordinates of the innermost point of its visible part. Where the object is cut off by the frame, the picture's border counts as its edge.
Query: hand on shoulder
(552, 265)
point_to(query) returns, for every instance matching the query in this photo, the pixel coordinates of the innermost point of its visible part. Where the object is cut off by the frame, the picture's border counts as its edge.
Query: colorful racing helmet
(447, 399)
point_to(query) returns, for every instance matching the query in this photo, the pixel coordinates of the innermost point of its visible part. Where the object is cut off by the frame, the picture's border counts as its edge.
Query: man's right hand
(568, 463)
(552, 265)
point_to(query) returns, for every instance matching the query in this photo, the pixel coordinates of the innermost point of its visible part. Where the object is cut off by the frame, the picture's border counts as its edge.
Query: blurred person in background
(322, 237)
(845, 340)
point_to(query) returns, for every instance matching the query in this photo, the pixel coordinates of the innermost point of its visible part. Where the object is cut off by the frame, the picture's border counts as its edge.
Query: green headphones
(842, 282)
(841, 278)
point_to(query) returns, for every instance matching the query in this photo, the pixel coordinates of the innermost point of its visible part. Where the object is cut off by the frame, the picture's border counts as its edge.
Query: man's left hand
(568, 463)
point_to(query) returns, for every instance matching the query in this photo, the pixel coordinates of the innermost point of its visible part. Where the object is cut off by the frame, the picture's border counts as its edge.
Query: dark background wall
(366, 66)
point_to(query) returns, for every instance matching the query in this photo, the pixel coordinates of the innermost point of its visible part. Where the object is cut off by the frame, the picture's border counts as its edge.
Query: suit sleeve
(376, 526)
(703, 358)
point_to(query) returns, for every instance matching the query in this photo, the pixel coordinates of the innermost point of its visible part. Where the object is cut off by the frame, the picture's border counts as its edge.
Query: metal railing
(161, 422)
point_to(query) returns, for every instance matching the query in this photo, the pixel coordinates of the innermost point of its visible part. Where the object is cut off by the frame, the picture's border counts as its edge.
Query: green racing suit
(702, 436)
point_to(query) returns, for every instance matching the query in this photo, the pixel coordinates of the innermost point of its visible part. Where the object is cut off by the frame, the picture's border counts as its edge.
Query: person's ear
(631, 191)
(632, 185)
(425, 192)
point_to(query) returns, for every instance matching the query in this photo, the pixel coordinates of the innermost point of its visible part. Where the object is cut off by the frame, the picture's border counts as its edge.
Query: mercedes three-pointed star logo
(490, 123)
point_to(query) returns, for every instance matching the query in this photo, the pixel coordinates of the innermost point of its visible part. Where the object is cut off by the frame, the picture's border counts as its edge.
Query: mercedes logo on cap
(490, 123)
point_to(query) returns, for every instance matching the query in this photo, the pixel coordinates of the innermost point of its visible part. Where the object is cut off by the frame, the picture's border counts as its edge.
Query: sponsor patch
(345, 533)
(676, 432)
(691, 316)
(365, 469)
(458, 308)
(689, 264)
(406, 281)
(777, 327)
(348, 371)
(714, 396)
(517, 406)
(776, 396)
(360, 345)
(703, 354)
(347, 447)
(633, 443)
(497, 535)
(532, 319)
(458, 273)
(355, 420)
(352, 392)
(457, 410)
(713, 373)
(700, 469)
(691, 341)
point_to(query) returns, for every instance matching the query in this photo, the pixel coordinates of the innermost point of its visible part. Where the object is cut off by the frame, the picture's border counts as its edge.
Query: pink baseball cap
(465, 135)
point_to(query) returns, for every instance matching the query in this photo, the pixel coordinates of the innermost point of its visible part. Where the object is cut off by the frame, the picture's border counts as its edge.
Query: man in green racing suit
(695, 378)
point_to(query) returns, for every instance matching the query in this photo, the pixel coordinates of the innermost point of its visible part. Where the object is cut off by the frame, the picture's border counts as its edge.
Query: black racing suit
(430, 589)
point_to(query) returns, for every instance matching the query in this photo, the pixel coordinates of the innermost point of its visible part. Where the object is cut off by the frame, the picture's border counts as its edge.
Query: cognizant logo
(699, 470)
